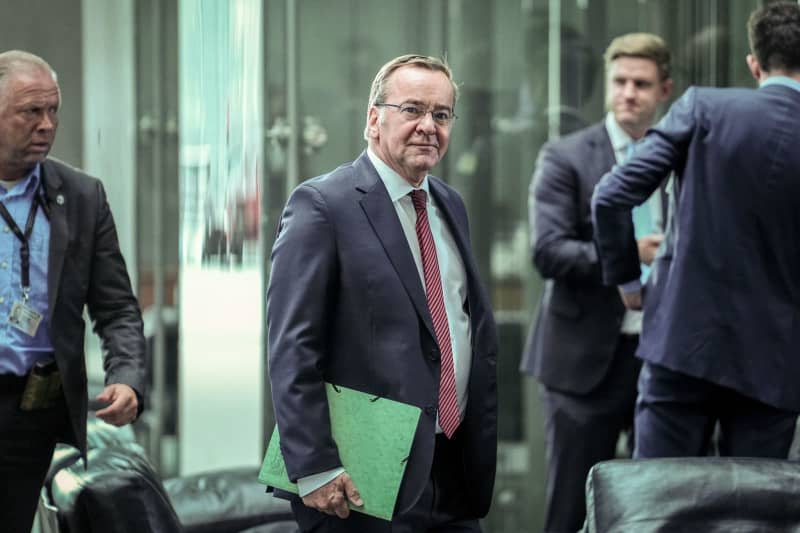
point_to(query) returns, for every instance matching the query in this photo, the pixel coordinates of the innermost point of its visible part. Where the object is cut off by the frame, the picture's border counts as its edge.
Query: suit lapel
(441, 195)
(59, 232)
(475, 302)
(383, 218)
(602, 152)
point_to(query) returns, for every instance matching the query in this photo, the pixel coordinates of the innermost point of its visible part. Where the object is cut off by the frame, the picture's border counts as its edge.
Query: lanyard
(24, 248)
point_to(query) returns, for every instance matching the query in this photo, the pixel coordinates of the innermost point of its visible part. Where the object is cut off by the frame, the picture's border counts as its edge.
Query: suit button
(430, 410)
(433, 354)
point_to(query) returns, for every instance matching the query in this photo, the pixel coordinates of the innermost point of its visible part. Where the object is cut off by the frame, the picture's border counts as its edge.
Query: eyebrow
(420, 102)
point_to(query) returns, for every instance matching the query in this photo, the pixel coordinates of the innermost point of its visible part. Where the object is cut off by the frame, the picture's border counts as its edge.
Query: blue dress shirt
(18, 351)
(782, 80)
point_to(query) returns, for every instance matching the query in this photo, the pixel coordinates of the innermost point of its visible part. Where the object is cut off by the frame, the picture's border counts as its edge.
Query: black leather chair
(693, 495)
(120, 492)
(228, 501)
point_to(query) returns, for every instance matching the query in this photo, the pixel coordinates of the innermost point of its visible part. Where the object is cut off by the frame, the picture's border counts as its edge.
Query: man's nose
(48, 121)
(629, 90)
(426, 123)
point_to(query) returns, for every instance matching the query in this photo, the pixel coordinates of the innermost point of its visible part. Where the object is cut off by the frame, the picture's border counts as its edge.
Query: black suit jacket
(575, 333)
(723, 299)
(346, 305)
(86, 269)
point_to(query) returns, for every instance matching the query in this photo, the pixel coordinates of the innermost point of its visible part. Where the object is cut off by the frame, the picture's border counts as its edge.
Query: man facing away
(374, 287)
(583, 341)
(58, 254)
(720, 337)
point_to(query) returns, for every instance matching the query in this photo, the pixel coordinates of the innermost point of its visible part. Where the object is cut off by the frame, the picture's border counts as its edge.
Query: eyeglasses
(412, 112)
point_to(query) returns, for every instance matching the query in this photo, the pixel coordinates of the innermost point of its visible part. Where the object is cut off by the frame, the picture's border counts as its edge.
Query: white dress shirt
(454, 287)
(451, 268)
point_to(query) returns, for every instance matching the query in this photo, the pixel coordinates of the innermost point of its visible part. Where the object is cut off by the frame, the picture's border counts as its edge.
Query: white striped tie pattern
(448, 399)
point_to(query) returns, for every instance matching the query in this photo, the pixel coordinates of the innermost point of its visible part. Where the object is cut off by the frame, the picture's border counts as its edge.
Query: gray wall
(52, 29)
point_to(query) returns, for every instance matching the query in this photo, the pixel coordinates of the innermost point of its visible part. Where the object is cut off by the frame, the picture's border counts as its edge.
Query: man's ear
(372, 122)
(666, 89)
(754, 66)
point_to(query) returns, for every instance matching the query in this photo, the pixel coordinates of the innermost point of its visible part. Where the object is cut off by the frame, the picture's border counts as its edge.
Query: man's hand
(332, 497)
(632, 300)
(123, 404)
(648, 246)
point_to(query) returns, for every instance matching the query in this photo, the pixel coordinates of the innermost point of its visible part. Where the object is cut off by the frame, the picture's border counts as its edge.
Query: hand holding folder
(374, 437)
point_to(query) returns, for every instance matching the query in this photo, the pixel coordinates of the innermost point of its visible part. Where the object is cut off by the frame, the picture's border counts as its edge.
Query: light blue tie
(642, 218)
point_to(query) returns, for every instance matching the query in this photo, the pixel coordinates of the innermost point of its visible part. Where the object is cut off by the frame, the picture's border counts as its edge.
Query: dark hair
(774, 33)
(644, 45)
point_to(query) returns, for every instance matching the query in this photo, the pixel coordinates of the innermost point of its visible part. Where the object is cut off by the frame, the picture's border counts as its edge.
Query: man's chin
(425, 163)
(34, 156)
(627, 118)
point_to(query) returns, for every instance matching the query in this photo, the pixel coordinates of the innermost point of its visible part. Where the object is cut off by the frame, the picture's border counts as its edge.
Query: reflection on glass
(221, 360)
(221, 132)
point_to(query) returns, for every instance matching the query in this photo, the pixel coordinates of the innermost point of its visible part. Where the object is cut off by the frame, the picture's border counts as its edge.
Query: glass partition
(221, 357)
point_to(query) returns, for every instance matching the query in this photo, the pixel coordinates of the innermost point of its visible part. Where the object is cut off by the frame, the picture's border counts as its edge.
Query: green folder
(374, 438)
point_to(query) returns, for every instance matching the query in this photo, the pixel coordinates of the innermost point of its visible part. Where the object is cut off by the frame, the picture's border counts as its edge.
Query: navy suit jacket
(346, 305)
(723, 300)
(576, 330)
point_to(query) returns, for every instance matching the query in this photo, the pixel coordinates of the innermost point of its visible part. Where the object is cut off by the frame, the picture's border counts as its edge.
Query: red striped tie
(448, 399)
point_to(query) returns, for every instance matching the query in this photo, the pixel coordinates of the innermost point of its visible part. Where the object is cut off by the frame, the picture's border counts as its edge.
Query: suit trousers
(27, 441)
(676, 415)
(582, 430)
(440, 509)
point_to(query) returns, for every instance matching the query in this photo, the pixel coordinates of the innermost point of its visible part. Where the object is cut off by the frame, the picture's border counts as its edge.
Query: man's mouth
(39, 147)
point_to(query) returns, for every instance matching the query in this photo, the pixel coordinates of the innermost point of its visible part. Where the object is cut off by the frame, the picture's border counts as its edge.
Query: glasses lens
(442, 117)
(410, 112)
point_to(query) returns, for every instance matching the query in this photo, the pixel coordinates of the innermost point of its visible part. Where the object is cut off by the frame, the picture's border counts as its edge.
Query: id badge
(25, 318)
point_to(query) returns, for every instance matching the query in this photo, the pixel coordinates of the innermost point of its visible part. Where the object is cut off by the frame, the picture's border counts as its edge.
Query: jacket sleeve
(300, 296)
(559, 251)
(624, 187)
(112, 306)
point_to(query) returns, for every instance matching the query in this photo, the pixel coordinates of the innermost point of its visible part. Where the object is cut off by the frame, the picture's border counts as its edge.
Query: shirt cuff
(631, 286)
(307, 485)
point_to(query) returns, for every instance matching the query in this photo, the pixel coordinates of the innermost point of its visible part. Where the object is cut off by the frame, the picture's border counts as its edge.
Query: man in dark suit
(58, 254)
(582, 344)
(379, 292)
(722, 306)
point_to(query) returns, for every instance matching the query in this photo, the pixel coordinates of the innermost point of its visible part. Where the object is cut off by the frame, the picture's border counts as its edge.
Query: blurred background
(201, 116)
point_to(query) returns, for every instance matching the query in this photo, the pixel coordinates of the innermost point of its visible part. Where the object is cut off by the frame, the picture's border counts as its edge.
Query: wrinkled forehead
(419, 84)
(32, 82)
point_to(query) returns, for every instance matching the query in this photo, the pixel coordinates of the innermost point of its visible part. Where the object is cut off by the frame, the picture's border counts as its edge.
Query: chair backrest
(696, 494)
(119, 492)
(227, 501)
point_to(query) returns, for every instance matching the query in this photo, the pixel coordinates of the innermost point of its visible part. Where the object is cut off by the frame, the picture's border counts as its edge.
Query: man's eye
(411, 110)
(441, 116)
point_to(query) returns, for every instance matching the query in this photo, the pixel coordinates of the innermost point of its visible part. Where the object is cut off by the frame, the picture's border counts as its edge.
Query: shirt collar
(782, 80)
(395, 184)
(28, 183)
(619, 138)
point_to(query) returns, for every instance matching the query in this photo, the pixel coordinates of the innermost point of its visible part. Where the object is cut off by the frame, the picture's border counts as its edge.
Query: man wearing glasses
(374, 286)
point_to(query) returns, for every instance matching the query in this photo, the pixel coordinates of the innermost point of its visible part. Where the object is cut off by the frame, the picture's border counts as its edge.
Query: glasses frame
(429, 109)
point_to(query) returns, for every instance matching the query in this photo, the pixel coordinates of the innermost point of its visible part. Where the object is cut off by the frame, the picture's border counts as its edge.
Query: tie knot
(418, 197)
